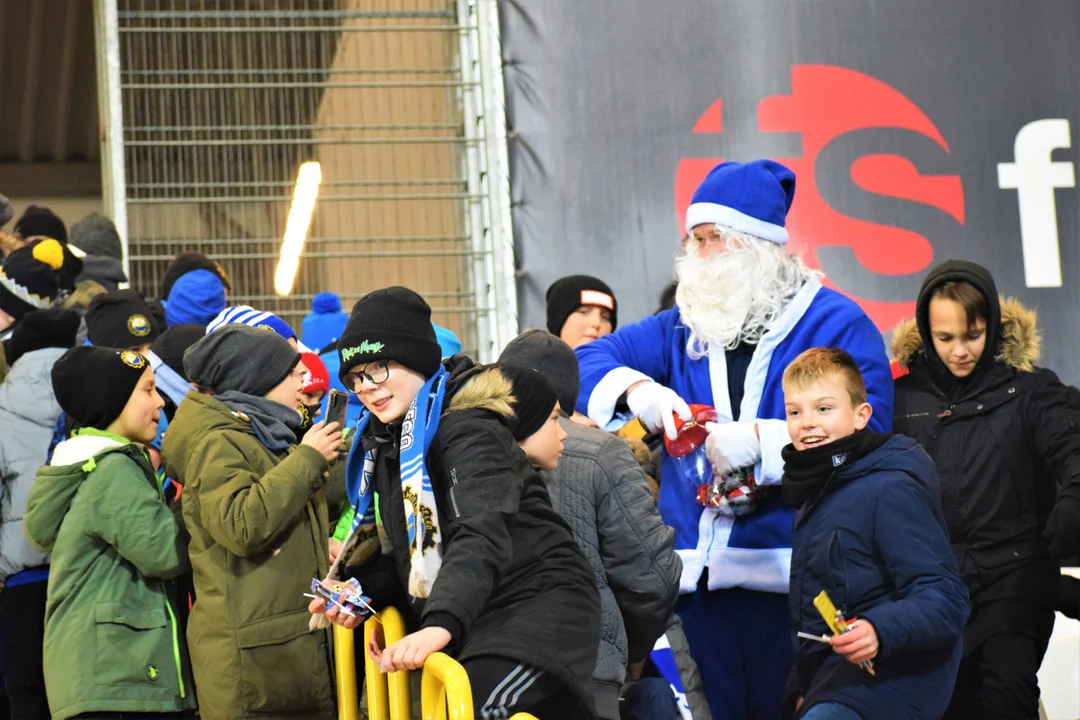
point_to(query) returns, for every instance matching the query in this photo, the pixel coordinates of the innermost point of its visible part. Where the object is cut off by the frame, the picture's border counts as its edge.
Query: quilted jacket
(601, 492)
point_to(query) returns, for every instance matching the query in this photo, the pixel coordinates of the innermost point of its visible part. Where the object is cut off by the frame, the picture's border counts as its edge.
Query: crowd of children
(171, 489)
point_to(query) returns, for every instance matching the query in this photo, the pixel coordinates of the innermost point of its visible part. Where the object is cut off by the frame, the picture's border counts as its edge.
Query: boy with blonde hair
(868, 532)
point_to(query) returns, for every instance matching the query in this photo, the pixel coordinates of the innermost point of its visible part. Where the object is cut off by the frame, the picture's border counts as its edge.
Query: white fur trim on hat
(701, 213)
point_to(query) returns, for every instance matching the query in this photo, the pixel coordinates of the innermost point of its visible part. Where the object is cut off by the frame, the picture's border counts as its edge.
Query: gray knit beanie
(552, 358)
(95, 234)
(241, 358)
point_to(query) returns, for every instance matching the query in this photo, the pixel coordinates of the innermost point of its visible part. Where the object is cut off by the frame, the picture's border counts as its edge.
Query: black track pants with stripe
(502, 687)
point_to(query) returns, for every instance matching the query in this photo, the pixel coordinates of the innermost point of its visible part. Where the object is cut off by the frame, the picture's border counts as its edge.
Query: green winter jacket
(259, 534)
(112, 642)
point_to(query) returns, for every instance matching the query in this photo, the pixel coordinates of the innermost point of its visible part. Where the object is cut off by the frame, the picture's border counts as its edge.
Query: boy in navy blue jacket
(870, 533)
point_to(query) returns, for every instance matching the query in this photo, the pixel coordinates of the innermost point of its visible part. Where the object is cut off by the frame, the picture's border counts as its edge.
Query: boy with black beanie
(112, 641)
(489, 573)
(580, 309)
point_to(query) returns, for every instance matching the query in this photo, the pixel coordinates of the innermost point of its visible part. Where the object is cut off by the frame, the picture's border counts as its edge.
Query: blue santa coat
(752, 552)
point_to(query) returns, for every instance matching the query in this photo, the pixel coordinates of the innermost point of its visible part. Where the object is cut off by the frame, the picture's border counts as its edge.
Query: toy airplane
(346, 596)
(835, 620)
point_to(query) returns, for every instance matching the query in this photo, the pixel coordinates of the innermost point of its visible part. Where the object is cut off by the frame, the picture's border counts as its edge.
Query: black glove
(1063, 527)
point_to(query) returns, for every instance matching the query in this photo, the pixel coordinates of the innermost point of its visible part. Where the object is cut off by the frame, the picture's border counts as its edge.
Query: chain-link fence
(221, 103)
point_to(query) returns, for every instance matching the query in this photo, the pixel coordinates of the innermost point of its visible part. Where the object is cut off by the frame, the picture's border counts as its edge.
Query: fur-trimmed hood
(484, 388)
(1020, 339)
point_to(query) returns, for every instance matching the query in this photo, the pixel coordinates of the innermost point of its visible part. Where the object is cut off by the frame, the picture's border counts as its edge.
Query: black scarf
(807, 472)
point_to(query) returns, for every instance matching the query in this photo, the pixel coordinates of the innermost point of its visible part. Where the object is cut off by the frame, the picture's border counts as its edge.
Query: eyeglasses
(376, 373)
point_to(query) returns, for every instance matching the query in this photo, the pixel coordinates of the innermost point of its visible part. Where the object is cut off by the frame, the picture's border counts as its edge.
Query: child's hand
(858, 644)
(324, 438)
(334, 614)
(375, 643)
(335, 550)
(410, 652)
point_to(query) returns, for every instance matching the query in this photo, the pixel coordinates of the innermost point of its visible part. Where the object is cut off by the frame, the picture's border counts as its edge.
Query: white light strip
(296, 228)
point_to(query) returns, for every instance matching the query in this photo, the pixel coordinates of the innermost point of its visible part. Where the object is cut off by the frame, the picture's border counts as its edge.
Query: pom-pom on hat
(753, 198)
(247, 315)
(33, 276)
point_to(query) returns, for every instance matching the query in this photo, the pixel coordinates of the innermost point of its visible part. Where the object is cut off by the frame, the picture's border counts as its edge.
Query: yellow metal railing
(445, 690)
(388, 695)
(345, 670)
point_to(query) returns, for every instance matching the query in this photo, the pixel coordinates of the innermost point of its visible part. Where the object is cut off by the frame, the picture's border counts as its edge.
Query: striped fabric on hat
(247, 315)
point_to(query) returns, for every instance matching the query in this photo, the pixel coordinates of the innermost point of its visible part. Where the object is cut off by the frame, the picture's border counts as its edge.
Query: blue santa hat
(752, 197)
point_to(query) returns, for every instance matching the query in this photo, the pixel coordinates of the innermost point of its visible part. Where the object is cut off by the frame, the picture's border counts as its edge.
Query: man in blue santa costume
(745, 309)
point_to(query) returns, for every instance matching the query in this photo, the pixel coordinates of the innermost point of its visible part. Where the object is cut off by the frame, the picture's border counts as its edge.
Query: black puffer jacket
(512, 580)
(1006, 445)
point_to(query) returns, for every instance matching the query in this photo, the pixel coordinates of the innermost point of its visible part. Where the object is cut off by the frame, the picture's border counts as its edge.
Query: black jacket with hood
(1007, 448)
(513, 582)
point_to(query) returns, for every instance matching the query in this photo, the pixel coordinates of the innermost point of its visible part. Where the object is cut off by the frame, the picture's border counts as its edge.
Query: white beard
(738, 295)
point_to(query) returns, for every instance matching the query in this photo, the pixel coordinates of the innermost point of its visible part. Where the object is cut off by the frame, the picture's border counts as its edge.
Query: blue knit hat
(247, 315)
(326, 322)
(752, 197)
(195, 298)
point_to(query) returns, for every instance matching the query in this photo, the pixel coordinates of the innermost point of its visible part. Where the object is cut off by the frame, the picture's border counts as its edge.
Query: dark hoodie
(875, 541)
(1006, 447)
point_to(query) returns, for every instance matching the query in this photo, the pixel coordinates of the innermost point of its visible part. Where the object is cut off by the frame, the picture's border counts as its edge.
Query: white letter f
(1034, 178)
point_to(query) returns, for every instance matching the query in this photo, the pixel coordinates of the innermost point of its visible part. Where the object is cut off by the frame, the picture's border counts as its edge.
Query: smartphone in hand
(335, 408)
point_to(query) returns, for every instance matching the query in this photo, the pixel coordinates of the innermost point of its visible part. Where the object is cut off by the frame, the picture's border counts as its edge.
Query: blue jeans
(831, 711)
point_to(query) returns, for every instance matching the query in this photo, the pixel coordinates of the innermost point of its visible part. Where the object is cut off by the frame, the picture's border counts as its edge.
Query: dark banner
(919, 131)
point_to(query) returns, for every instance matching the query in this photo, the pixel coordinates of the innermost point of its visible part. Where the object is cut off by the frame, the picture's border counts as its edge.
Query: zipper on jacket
(453, 485)
(176, 648)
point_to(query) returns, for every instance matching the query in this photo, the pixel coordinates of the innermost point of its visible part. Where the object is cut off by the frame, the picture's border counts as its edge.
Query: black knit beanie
(40, 221)
(534, 399)
(40, 329)
(393, 323)
(241, 358)
(189, 261)
(552, 358)
(121, 319)
(569, 293)
(93, 384)
(174, 342)
(34, 275)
